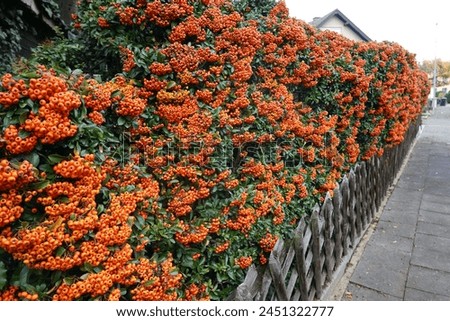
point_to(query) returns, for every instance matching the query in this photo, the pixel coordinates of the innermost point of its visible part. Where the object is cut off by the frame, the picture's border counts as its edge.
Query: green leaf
(100, 208)
(121, 121)
(160, 57)
(33, 158)
(3, 279)
(23, 277)
(55, 158)
(188, 262)
(140, 222)
(171, 84)
(30, 75)
(116, 93)
(23, 133)
(40, 185)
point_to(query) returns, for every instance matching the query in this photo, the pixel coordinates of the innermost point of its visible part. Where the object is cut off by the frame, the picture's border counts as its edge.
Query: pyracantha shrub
(214, 128)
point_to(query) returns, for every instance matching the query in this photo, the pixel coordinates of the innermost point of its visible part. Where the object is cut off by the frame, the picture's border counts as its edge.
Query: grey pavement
(407, 258)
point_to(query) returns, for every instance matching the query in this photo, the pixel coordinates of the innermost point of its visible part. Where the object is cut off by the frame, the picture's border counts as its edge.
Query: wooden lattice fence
(303, 267)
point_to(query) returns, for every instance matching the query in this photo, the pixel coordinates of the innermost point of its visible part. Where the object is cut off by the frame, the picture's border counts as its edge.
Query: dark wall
(40, 29)
(67, 7)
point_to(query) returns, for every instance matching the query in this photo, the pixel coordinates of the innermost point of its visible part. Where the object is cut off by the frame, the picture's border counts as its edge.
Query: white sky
(421, 27)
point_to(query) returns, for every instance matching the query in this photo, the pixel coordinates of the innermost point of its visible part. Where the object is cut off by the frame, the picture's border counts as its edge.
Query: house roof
(319, 22)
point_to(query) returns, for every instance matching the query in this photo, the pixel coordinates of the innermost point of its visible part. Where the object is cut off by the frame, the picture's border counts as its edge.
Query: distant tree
(442, 67)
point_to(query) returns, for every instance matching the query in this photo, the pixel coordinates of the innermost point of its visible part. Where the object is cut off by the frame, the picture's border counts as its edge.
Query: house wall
(67, 7)
(38, 27)
(336, 24)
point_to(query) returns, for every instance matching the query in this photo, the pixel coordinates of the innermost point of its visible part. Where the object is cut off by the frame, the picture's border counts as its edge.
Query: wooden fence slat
(366, 193)
(300, 254)
(360, 192)
(287, 258)
(326, 212)
(337, 219)
(292, 283)
(376, 168)
(263, 291)
(351, 210)
(316, 250)
(277, 277)
(296, 296)
(345, 209)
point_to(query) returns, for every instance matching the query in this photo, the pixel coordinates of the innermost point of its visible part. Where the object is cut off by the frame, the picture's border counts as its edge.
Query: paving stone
(413, 178)
(385, 257)
(411, 184)
(436, 199)
(433, 242)
(356, 292)
(429, 280)
(402, 194)
(435, 207)
(438, 166)
(372, 272)
(389, 239)
(417, 295)
(433, 229)
(434, 218)
(430, 258)
(400, 229)
(437, 187)
(404, 205)
(400, 215)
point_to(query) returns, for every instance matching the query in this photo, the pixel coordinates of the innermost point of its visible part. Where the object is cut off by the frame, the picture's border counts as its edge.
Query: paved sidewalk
(408, 255)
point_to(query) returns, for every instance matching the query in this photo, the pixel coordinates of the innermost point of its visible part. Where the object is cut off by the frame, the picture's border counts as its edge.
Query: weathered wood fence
(303, 267)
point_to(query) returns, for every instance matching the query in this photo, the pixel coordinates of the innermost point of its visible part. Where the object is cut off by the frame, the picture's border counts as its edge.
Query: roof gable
(319, 22)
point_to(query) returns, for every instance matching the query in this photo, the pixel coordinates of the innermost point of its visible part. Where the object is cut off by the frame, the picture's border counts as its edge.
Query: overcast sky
(421, 27)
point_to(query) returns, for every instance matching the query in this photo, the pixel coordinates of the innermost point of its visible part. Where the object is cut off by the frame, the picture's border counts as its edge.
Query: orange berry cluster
(10, 207)
(128, 59)
(222, 247)
(196, 293)
(102, 22)
(9, 294)
(163, 13)
(52, 122)
(268, 242)
(191, 235)
(14, 90)
(244, 262)
(15, 175)
(157, 283)
(115, 93)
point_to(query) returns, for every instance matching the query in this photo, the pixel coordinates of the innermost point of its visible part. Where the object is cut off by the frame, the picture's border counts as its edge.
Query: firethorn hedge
(194, 136)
